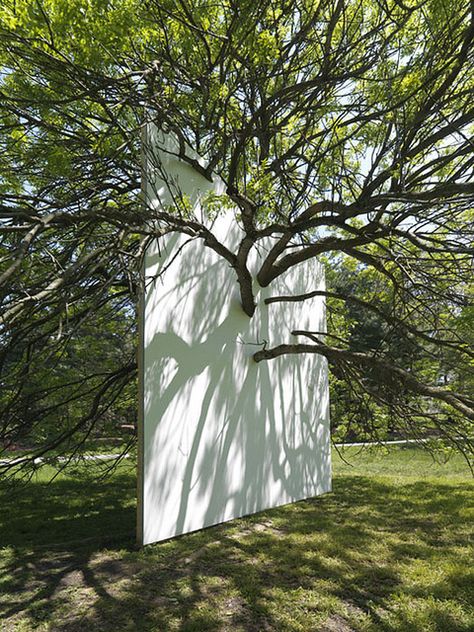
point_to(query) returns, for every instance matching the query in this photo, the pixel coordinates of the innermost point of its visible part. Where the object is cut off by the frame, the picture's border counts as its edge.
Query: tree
(368, 410)
(341, 130)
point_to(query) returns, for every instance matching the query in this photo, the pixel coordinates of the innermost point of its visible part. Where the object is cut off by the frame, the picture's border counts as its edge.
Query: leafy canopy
(341, 130)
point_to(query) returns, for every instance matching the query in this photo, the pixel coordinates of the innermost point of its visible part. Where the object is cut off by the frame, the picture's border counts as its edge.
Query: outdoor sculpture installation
(221, 435)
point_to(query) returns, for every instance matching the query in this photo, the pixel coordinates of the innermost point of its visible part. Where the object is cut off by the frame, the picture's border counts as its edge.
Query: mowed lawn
(389, 549)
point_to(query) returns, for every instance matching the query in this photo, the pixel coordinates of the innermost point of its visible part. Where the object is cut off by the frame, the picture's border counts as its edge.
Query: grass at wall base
(389, 549)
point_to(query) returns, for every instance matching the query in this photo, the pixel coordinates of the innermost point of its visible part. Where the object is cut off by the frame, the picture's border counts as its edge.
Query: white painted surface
(223, 435)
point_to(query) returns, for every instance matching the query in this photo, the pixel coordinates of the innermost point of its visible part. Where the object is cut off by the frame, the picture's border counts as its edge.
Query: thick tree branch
(386, 369)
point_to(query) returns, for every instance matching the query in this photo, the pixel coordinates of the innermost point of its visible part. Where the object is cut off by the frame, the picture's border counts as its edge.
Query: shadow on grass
(344, 555)
(48, 531)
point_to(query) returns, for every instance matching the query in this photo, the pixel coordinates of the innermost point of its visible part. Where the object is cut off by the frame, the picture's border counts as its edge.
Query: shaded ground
(389, 549)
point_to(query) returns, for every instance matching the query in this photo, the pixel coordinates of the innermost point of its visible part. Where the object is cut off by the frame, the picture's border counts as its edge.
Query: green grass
(388, 550)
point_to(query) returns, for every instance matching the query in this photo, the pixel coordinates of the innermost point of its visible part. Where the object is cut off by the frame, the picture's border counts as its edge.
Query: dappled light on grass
(381, 553)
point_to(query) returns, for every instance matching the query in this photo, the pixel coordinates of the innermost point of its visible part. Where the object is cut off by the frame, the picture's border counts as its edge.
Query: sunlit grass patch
(389, 549)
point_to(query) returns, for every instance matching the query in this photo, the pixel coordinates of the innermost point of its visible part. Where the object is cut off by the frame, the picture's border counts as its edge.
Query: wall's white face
(224, 436)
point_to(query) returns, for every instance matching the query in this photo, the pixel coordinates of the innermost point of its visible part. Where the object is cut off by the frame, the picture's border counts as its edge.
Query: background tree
(341, 130)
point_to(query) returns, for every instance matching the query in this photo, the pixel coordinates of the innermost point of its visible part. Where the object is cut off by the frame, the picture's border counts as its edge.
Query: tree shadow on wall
(225, 436)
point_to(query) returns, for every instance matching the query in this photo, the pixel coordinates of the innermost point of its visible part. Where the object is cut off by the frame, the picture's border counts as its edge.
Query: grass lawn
(389, 549)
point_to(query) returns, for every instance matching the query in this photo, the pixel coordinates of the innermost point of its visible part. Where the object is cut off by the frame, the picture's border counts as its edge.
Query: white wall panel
(223, 436)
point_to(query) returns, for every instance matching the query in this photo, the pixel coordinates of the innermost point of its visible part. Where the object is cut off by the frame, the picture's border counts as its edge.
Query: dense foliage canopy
(342, 130)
